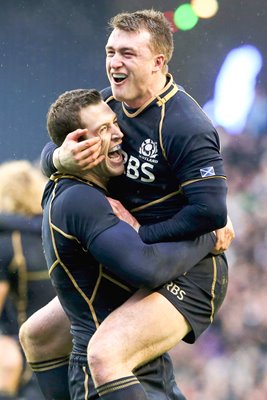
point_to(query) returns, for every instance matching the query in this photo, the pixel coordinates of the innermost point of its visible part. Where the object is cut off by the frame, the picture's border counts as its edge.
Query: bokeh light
(205, 8)
(169, 15)
(184, 17)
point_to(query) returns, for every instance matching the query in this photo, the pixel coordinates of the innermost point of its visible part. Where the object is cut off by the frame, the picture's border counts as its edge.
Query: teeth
(119, 76)
(115, 148)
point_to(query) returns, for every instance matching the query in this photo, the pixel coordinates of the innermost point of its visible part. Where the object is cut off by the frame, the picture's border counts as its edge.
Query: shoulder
(185, 115)
(78, 197)
(106, 93)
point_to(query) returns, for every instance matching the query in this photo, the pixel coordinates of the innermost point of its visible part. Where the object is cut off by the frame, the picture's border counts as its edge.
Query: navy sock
(128, 388)
(52, 377)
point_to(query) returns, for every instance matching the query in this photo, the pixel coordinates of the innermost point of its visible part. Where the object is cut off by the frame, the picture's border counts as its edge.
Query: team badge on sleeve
(208, 171)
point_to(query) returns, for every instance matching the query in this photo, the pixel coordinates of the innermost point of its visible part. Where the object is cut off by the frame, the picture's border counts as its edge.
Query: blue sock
(128, 388)
(52, 377)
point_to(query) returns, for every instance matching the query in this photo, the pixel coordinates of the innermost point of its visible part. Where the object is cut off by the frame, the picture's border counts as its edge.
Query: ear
(158, 62)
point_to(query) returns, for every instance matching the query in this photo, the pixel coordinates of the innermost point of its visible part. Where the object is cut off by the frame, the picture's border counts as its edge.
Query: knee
(33, 339)
(27, 335)
(96, 354)
(101, 356)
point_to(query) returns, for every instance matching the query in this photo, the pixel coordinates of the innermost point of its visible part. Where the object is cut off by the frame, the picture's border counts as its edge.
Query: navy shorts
(156, 377)
(199, 293)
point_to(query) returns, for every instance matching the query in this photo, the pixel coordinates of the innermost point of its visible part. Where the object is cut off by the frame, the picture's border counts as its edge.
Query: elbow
(218, 217)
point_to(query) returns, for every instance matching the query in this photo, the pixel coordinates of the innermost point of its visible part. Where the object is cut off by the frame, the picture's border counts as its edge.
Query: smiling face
(101, 121)
(134, 70)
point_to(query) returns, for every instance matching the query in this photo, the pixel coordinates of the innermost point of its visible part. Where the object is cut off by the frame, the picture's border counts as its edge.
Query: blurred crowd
(229, 361)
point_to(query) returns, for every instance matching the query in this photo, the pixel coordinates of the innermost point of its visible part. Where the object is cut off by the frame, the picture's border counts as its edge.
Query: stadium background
(51, 46)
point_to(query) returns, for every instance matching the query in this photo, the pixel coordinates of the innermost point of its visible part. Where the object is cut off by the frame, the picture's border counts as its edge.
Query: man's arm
(205, 212)
(147, 265)
(118, 246)
(79, 160)
(73, 155)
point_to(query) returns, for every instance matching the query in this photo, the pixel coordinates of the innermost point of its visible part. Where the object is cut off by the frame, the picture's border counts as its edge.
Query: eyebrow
(121, 48)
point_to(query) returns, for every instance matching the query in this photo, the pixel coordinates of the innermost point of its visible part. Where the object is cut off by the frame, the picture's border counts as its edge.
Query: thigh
(199, 294)
(46, 334)
(144, 327)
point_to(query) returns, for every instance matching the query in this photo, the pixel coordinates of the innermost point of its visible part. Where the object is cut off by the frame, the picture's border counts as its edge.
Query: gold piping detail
(86, 379)
(162, 100)
(168, 196)
(97, 283)
(19, 263)
(202, 179)
(65, 268)
(116, 282)
(139, 110)
(213, 287)
(55, 178)
(109, 99)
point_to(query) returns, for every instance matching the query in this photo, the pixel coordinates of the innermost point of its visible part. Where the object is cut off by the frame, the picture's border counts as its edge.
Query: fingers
(85, 153)
(76, 135)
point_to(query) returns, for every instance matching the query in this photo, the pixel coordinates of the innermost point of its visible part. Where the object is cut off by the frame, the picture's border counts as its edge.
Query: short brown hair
(154, 22)
(64, 114)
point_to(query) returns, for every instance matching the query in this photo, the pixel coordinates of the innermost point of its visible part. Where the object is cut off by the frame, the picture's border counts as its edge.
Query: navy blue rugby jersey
(169, 142)
(84, 288)
(23, 266)
(81, 235)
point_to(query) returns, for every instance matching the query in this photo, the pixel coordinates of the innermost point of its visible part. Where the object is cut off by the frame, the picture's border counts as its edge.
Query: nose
(117, 134)
(115, 61)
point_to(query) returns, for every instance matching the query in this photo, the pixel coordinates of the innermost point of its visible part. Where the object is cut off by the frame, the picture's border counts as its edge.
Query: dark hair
(64, 114)
(154, 22)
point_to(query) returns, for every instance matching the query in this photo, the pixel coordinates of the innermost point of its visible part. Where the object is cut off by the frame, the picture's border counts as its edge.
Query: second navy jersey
(170, 144)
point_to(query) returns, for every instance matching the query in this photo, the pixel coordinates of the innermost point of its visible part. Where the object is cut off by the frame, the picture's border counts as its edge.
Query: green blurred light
(184, 17)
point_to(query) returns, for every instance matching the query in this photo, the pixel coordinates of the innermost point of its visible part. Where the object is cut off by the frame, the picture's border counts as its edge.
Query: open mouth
(115, 153)
(118, 78)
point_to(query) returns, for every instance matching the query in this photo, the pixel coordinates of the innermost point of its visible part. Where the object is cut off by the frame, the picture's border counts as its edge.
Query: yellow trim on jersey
(121, 285)
(213, 287)
(19, 264)
(168, 196)
(162, 100)
(85, 383)
(58, 262)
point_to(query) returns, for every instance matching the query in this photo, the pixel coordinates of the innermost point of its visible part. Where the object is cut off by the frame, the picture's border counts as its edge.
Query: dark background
(51, 46)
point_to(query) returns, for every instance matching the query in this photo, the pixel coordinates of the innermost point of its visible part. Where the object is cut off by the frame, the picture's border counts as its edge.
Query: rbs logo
(134, 169)
(175, 290)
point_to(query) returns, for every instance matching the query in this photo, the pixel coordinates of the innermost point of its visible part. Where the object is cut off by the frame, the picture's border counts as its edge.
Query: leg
(46, 334)
(11, 367)
(46, 340)
(133, 335)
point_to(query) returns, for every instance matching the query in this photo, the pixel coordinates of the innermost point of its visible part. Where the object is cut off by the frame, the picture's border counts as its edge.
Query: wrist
(56, 160)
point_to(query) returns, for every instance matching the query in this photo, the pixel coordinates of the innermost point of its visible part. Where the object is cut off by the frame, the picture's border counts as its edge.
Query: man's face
(101, 121)
(130, 66)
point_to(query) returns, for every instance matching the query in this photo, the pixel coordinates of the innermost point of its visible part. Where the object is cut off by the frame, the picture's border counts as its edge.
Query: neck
(156, 87)
(102, 183)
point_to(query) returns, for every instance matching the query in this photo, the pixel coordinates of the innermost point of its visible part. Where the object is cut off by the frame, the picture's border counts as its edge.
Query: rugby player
(174, 170)
(24, 281)
(95, 259)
